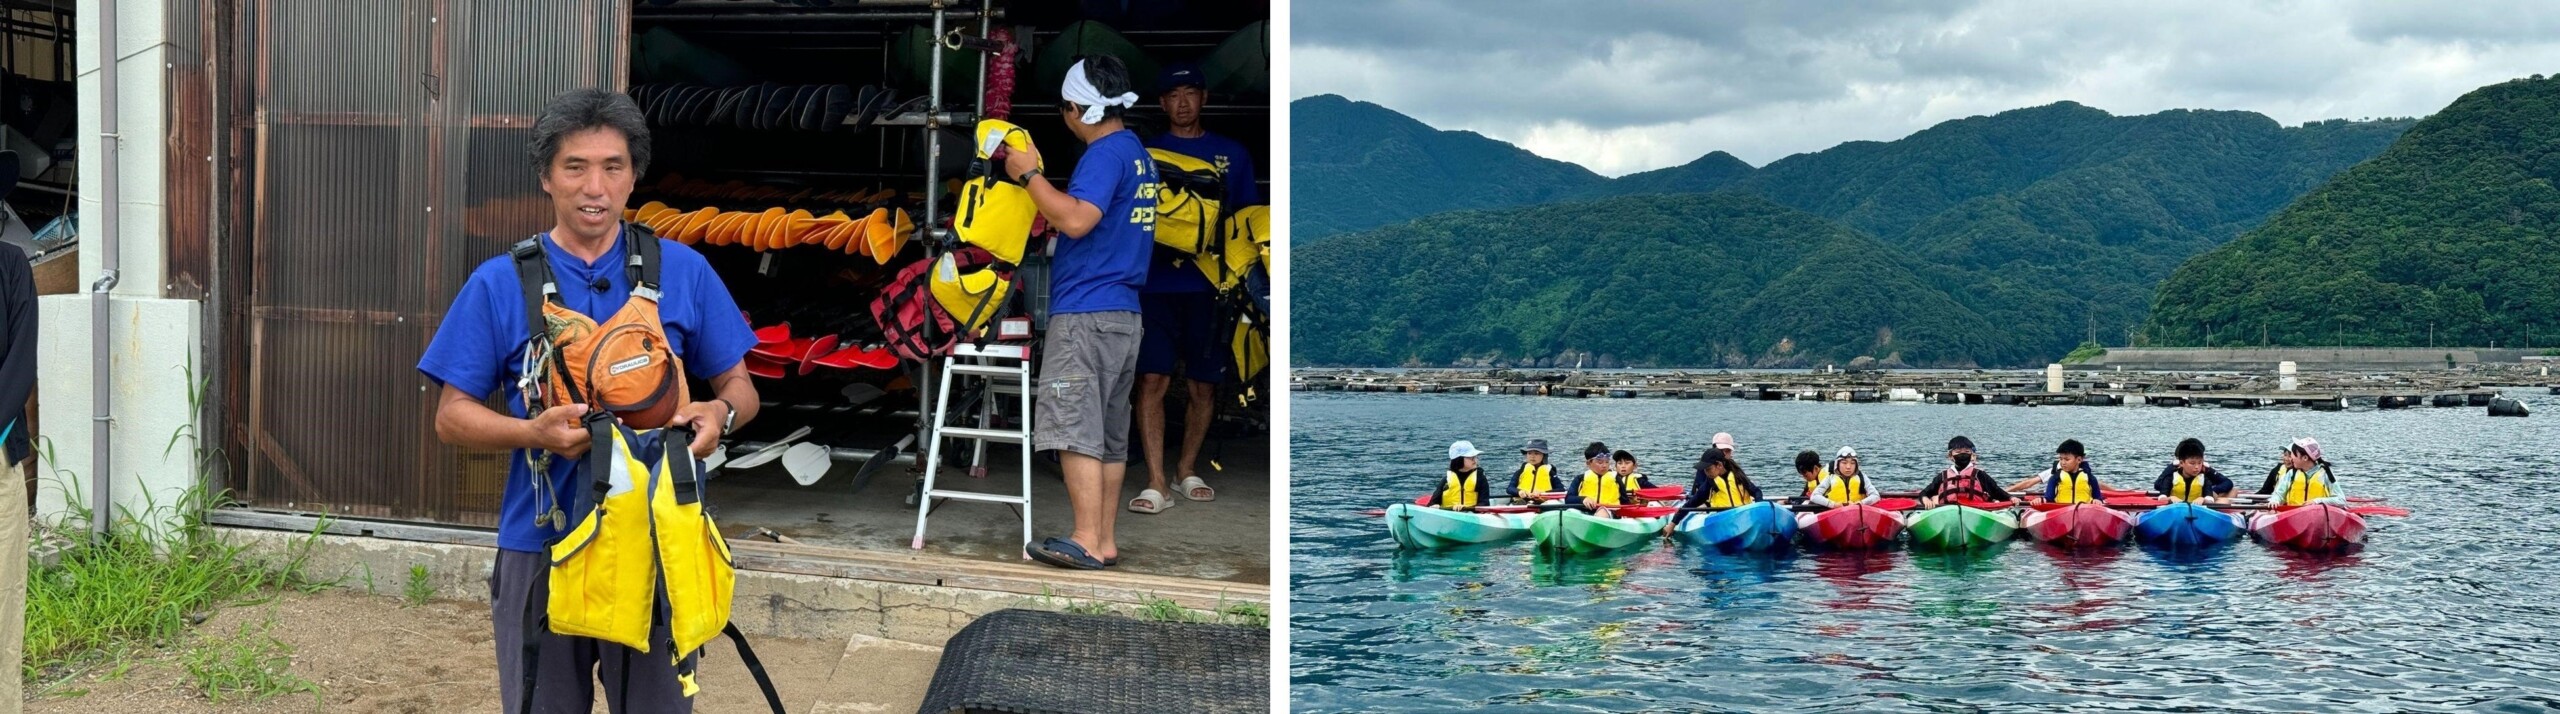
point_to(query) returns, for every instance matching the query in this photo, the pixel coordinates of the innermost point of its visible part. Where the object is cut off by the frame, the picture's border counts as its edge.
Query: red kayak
(2078, 524)
(2316, 527)
(1854, 526)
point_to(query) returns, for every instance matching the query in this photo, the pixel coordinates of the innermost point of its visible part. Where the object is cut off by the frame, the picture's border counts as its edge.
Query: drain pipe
(99, 385)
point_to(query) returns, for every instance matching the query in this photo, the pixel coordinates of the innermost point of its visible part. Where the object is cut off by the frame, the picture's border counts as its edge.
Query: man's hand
(1020, 161)
(706, 418)
(560, 431)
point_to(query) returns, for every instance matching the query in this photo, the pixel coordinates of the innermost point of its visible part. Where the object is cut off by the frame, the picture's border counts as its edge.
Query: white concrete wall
(152, 341)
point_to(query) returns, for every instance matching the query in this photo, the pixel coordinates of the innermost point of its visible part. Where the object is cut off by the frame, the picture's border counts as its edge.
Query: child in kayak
(1599, 486)
(1966, 478)
(1535, 474)
(1463, 488)
(1718, 485)
(1626, 469)
(2303, 477)
(1809, 467)
(1840, 486)
(2069, 480)
(1724, 442)
(2189, 479)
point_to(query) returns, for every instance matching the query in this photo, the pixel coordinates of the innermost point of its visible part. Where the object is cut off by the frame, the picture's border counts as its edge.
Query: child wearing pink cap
(2302, 478)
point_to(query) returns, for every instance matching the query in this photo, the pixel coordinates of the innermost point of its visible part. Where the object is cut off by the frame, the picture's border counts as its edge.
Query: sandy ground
(375, 654)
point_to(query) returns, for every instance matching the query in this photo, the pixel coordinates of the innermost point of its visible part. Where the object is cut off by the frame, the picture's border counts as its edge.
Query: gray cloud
(1622, 87)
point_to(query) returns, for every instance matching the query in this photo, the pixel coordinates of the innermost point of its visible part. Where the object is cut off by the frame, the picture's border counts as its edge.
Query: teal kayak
(1575, 531)
(1426, 527)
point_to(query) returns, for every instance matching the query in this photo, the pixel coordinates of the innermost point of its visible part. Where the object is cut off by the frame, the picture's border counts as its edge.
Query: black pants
(634, 682)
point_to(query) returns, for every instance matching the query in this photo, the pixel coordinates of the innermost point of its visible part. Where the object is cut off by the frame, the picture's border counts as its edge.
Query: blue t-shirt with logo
(1101, 271)
(479, 348)
(1167, 271)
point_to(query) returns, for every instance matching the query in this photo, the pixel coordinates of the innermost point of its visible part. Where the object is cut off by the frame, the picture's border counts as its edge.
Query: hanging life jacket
(1248, 339)
(643, 552)
(1462, 490)
(1187, 205)
(995, 213)
(915, 309)
(1247, 240)
(2073, 488)
(2307, 486)
(1726, 492)
(2182, 488)
(1540, 478)
(1846, 490)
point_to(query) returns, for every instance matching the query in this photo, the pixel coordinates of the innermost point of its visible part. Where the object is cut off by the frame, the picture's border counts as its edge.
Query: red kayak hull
(2079, 524)
(1854, 526)
(2315, 527)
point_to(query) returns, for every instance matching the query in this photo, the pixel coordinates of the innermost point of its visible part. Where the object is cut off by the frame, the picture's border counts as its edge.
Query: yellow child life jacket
(1607, 489)
(642, 538)
(2074, 488)
(1540, 478)
(1849, 489)
(1819, 473)
(2186, 489)
(1459, 490)
(2305, 489)
(1723, 492)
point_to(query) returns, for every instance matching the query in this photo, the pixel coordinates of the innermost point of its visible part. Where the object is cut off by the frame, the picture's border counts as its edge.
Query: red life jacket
(1967, 482)
(907, 301)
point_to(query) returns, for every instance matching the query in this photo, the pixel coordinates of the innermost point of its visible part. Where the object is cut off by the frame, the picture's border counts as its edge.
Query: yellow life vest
(1604, 489)
(1460, 491)
(2186, 489)
(643, 554)
(1849, 489)
(2306, 488)
(994, 212)
(1540, 478)
(2074, 488)
(1723, 492)
(1819, 473)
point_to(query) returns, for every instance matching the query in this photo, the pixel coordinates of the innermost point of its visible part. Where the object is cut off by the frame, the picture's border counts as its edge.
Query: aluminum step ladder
(1005, 369)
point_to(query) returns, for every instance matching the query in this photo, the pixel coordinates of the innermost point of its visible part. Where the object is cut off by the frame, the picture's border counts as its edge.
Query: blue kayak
(2186, 525)
(1758, 526)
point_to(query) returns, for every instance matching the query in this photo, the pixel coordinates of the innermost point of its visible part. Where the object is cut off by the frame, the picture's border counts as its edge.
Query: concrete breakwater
(2318, 390)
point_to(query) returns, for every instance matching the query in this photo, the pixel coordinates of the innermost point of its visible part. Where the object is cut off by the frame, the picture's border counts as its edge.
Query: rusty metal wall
(386, 161)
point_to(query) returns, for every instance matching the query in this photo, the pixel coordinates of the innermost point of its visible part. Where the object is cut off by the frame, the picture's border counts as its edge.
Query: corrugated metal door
(386, 159)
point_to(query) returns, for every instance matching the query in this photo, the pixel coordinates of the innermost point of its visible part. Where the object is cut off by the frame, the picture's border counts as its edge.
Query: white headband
(1081, 91)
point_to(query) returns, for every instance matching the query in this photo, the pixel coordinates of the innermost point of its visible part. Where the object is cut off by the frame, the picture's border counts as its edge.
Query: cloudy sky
(1621, 87)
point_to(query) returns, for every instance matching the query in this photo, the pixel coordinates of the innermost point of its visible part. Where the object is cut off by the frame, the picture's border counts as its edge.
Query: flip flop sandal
(1063, 553)
(1155, 502)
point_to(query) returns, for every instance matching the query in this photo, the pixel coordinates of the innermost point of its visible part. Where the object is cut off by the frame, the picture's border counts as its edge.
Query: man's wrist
(729, 419)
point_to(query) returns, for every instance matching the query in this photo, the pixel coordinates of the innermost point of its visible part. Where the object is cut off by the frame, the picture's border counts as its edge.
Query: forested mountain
(1367, 166)
(2457, 225)
(2048, 224)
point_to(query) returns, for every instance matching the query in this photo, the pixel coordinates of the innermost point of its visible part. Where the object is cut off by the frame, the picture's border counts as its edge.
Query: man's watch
(731, 421)
(1025, 178)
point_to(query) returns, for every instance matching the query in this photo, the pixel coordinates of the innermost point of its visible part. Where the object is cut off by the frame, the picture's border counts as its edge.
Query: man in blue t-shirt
(589, 148)
(1089, 361)
(1180, 306)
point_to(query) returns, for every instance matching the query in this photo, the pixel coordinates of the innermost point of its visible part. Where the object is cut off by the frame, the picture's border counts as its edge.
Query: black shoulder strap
(533, 274)
(643, 256)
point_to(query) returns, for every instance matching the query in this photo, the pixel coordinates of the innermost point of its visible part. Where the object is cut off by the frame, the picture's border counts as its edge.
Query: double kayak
(1761, 525)
(2078, 524)
(1954, 526)
(1425, 527)
(1854, 526)
(1575, 531)
(2314, 527)
(2185, 525)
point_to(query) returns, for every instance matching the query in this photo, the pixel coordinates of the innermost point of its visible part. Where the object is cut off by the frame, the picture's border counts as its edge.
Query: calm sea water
(2455, 608)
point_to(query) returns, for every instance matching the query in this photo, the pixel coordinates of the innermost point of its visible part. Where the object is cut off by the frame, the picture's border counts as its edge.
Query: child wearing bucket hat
(1535, 476)
(2303, 477)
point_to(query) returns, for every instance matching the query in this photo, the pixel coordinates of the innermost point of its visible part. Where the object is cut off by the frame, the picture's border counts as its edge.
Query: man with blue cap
(1180, 309)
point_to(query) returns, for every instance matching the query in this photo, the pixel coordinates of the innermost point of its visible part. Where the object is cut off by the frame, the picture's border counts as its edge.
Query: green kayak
(1426, 527)
(1953, 526)
(1575, 531)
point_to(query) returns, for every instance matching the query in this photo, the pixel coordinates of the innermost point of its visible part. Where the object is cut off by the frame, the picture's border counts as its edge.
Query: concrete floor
(1227, 539)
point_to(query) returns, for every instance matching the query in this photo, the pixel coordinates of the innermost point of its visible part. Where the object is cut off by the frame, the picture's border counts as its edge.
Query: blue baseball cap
(1179, 75)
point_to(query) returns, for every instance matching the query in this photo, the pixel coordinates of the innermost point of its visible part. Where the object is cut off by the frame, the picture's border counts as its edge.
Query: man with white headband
(1090, 359)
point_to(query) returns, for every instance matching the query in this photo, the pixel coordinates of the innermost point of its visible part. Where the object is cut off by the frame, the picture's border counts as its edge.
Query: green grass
(102, 601)
(2085, 352)
(1250, 614)
(418, 592)
(252, 665)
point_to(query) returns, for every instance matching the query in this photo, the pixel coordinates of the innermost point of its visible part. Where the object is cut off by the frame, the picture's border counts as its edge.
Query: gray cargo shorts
(1087, 367)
